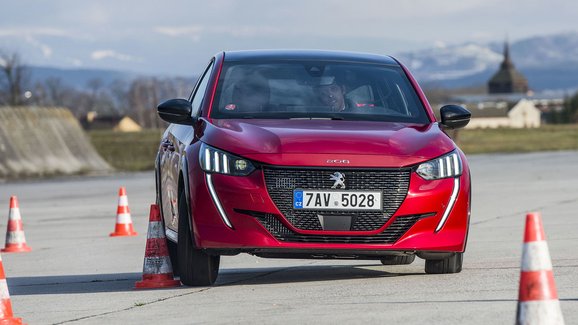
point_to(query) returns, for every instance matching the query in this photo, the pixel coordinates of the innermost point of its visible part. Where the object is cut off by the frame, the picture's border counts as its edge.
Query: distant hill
(79, 78)
(549, 62)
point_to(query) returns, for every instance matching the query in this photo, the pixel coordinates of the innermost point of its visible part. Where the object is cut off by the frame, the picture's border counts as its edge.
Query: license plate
(336, 200)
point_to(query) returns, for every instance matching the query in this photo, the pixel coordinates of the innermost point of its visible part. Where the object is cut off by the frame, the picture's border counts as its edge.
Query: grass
(137, 151)
(545, 138)
(132, 151)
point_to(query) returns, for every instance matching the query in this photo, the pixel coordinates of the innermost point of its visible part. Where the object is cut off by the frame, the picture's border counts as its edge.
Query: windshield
(316, 90)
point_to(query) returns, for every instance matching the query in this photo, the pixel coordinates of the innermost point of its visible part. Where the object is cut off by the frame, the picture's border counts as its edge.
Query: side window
(197, 97)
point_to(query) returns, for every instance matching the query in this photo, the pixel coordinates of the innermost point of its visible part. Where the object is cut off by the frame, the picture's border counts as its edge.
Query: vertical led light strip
(217, 202)
(442, 172)
(217, 162)
(225, 164)
(457, 164)
(208, 159)
(451, 168)
(451, 203)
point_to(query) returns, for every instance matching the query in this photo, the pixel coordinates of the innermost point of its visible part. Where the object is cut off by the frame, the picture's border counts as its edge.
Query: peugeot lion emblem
(339, 179)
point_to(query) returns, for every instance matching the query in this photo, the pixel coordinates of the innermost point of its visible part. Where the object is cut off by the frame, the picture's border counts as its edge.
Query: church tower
(507, 80)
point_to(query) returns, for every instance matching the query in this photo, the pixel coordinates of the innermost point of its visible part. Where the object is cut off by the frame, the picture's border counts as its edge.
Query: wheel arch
(158, 181)
(184, 185)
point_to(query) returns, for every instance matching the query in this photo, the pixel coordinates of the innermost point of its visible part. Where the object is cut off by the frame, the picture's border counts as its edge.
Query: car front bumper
(230, 216)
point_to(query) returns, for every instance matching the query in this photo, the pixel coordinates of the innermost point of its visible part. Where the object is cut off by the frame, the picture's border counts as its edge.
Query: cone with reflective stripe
(157, 267)
(6, 315)
(15, 239)
(123, 225)
(537, 300)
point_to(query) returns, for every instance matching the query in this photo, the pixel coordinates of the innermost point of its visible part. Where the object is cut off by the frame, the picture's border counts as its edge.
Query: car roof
(314, 55)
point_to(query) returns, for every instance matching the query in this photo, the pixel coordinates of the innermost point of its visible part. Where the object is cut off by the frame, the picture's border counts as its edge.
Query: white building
(510, 110)
(522, 114)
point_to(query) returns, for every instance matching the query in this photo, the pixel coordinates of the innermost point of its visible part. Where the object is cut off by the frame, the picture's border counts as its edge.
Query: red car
(310, 154)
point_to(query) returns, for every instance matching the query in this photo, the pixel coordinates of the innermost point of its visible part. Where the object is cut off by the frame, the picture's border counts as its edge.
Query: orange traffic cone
(537, 300)
(123, 225)
(15, 239)
(157, 267)
(6, 315)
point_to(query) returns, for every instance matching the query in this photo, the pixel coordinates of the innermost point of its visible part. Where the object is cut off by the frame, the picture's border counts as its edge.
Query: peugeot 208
(310, 154)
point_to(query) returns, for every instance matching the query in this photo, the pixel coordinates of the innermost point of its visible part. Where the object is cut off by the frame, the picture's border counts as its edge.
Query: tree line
(569, 113)
(137, 98)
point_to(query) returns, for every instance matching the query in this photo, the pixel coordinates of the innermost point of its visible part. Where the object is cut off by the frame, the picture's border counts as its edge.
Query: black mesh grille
(390, 235)
(281, 182)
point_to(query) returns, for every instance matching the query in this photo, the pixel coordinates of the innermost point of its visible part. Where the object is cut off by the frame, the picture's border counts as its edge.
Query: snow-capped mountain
(549, 62)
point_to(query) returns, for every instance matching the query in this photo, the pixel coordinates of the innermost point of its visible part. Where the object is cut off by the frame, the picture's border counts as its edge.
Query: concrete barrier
(40, 141)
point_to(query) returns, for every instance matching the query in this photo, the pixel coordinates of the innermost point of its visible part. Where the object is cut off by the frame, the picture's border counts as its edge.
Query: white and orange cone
(537, 300)
(15, 239)
(123, 225)
(6, 314)
(157, 267)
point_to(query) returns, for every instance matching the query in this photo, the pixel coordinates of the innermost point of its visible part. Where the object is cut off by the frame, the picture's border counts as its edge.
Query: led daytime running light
(446, 166)
(213, 160)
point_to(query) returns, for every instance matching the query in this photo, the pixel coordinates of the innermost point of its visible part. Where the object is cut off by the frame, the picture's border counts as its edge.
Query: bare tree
(118, 91)
(13, 78)
(55, 91)
(143, 98)
(137, 98)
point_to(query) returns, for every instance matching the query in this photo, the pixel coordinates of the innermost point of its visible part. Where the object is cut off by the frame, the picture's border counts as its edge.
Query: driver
(331, 94)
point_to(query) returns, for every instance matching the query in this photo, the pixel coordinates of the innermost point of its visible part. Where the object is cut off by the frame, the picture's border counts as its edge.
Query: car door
(173, 145)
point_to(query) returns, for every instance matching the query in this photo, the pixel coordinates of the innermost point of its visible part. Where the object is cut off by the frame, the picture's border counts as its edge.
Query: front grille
(281, 182)
(390, 235)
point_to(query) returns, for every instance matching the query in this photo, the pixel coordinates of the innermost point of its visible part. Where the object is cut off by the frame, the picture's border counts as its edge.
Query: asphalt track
(77, 274)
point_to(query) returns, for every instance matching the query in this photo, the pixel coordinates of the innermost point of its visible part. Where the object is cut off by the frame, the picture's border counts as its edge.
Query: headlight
(446, 166)
(213, 160)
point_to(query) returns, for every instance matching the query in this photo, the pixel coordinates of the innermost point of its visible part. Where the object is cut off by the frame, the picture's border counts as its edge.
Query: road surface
(76, 273)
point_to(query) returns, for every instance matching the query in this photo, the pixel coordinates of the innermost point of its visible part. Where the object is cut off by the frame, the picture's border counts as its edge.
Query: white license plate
(336, 200)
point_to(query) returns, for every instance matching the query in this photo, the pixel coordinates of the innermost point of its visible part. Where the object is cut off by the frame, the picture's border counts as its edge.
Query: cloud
(75, 62)
(192, 32)
(195, 32)
(33, 36)
(249, 31)
(46, 50)
(105, 54)
(36, 31)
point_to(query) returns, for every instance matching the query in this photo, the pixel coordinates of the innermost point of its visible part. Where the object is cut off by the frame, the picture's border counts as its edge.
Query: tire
(398, 260)
(174, 257)
(451, 264)
(196, 268)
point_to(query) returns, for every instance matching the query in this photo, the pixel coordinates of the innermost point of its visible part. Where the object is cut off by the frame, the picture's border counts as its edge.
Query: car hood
(289, 142)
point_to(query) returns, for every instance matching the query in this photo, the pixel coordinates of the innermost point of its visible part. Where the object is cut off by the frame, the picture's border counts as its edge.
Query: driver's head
(331, 93)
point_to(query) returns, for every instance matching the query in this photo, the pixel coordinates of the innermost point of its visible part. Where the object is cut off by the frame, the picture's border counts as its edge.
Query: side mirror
(176, 111)
(454, 116)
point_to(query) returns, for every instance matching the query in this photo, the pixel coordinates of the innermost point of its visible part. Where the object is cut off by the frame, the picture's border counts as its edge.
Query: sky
(178, 37)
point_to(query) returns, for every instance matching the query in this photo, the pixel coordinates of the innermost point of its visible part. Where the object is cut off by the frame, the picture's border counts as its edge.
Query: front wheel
(452, 264)
(196, 268)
